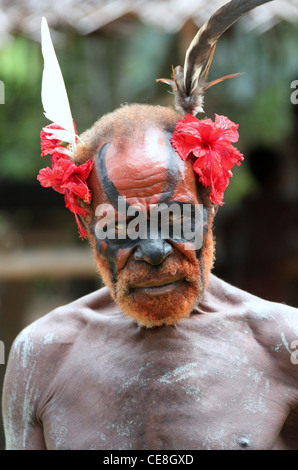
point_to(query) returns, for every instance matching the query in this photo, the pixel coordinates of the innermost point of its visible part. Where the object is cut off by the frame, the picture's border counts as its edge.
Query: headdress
(209, 142)
(59, 139)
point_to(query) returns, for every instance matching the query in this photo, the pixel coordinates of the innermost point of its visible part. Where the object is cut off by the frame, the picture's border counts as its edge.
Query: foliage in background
(103, 71)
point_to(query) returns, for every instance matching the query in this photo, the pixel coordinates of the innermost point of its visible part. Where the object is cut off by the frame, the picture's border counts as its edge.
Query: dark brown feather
(189, 83)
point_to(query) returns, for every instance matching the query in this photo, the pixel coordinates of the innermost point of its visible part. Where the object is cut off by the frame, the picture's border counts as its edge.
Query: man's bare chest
(184, 396)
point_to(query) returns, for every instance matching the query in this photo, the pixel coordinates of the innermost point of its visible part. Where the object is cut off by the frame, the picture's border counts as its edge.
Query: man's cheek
(121, 257)
(117, 255)
(192, 245)
(187, 248)
(101, 247)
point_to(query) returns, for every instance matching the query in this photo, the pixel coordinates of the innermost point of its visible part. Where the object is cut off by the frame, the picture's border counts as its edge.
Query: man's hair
(124, 122)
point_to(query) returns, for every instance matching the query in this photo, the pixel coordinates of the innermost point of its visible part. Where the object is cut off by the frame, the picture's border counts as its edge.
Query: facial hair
(168, 308)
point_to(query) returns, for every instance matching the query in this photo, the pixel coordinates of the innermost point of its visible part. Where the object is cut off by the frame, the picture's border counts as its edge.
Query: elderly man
(166, 356)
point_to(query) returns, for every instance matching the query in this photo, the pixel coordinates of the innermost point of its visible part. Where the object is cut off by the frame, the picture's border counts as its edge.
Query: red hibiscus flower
(51, 141)
(210, 143)
(65, 176)
(48, 143)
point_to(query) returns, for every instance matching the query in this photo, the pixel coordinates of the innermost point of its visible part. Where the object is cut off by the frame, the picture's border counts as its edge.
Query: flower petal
(210, 142)
(65, 176)
(227, 129)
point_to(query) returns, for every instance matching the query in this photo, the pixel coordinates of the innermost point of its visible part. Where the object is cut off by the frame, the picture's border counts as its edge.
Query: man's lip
(156, 287)
(158, 282)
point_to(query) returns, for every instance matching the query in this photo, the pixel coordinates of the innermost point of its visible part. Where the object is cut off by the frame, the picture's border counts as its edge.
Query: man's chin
(153, 306)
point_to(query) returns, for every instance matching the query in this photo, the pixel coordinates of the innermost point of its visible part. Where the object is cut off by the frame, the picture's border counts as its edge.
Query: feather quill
(53, 92)
(190, 82)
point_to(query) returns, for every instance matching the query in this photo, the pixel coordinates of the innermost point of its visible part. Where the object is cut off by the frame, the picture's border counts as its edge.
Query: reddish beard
(170, 307)
(162, 309)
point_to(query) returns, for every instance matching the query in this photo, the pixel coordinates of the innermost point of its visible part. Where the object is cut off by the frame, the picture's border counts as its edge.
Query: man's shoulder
(69, 319)
(250, 306)
(262, 314)
(40, 350)
(54, 333)
(274, 325)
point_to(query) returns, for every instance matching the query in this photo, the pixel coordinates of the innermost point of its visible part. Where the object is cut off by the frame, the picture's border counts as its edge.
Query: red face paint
(154, 281)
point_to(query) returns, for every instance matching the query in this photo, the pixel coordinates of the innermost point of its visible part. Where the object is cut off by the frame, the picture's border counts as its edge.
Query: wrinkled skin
(216, 374)
(156, 281)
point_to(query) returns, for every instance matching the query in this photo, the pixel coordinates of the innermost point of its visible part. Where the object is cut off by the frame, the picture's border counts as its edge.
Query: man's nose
(153, 251)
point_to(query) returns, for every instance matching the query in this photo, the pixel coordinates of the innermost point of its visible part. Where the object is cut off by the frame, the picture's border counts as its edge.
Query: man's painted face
(155, 280)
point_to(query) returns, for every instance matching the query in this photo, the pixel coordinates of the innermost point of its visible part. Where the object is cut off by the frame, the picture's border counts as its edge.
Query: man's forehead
(144, 166)
(145, 143)
(137, 159)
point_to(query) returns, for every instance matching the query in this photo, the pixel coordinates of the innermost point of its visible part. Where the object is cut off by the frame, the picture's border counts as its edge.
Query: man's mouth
(158, 287)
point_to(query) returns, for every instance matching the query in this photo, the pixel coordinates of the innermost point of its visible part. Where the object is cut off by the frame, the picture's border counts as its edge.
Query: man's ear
(214, 209)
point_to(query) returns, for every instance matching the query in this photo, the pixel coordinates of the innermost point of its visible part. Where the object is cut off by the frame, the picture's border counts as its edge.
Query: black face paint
(107, 185)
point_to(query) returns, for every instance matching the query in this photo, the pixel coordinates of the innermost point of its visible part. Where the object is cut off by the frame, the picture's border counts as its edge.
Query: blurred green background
(43, 263)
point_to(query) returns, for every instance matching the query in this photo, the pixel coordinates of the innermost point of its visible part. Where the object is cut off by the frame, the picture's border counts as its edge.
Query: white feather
(53, 92)
(59, 134)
